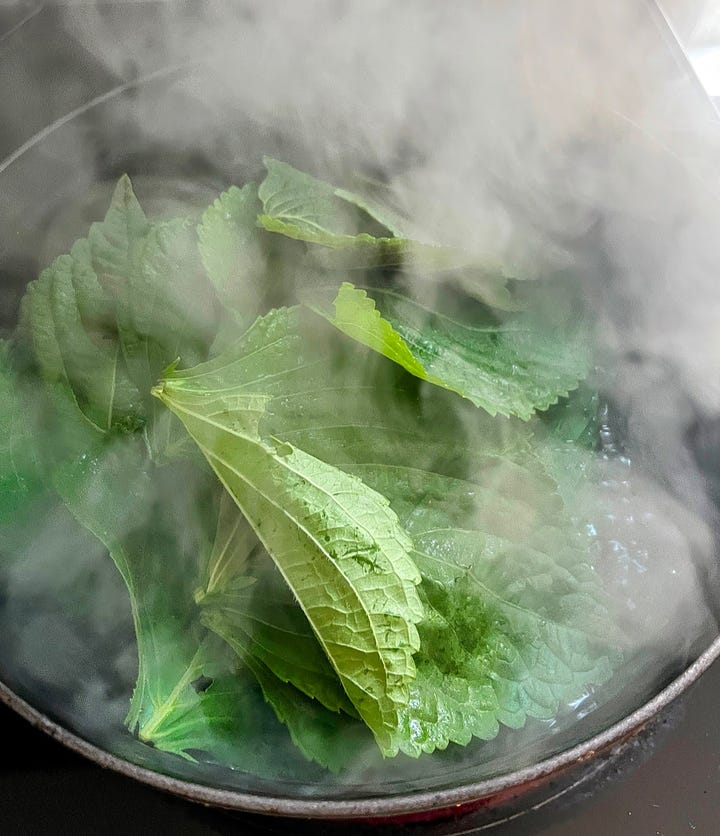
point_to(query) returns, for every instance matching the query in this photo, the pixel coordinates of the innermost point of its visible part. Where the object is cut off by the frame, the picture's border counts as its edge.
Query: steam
(545, 135)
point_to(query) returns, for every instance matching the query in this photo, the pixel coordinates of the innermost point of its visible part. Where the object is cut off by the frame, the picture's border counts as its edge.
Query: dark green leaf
(330, 738)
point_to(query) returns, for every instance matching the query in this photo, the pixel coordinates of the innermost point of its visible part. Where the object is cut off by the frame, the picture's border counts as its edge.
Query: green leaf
(329, 738)
(515, 618)
(105, 320)
(245, 600)
(170, 716)
(304, 208)
(257, 632)
(518, 621)
(20, 470)
(512, 368)
(133, 509)
(111, 242)
(165, 309)
(231, 251)
(229, 557)
(189, 699)
(385, 215)
(68, 316)
(576, 419)
(71, 348)
(337, 544)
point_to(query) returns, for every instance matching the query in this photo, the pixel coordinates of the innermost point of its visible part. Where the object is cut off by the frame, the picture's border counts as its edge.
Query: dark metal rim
(371, 807)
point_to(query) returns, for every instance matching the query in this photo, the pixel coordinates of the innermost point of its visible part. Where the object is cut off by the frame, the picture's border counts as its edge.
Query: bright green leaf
(337, 544)
(515, 620)
(511, 368)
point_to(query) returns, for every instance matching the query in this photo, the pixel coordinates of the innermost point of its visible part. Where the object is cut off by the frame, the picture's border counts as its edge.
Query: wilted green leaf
(515, 621)
(337, 544)
(510, 368)
(302, 207)
(232, 253)
(20, 468)
(245, 600)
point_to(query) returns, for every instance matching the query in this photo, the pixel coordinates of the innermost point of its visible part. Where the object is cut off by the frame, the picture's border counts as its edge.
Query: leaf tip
(124, 191)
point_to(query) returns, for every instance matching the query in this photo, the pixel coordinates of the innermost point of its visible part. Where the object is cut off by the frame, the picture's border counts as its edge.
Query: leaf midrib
(309, 535)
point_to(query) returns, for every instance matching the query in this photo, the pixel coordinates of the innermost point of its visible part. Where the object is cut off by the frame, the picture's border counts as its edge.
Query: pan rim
(371, 807)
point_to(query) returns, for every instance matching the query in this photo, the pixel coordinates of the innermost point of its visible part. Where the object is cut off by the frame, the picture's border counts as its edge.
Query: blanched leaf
(189, 699)
(212, 713)
(111, 242)
(106, 319)
(337, 544)
(245, 600)
(68, 316)
(515, 619)
(331, 739)
(510, 368)
(20, 471)
(229, 559)
(384, 214)
(576, 419)
(302, 207)
(276, 633)
(114, 492)
(518, 622)
(172, 718)
(232, 253)
(72, 348)
(165, 310)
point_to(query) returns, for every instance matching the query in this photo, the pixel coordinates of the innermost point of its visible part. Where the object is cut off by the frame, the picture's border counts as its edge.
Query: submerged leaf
(518, 622)
(332, 739)
(114, 492)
